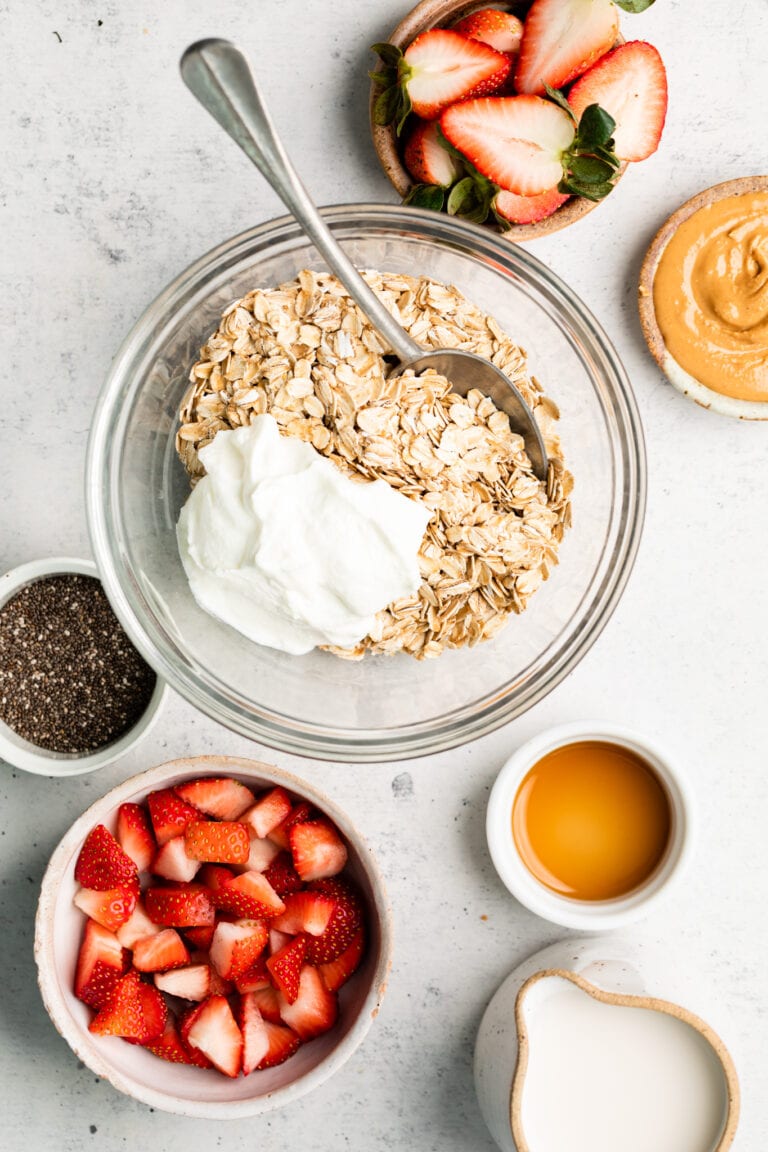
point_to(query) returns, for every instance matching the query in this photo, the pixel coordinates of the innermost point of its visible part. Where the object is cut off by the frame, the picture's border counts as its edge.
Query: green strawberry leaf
(461, 196)
(557, 96)
(387, 53)
(595, 128)
(609, 157)
(634, 5)
(590, 170)
(386, 106)
(429, 196)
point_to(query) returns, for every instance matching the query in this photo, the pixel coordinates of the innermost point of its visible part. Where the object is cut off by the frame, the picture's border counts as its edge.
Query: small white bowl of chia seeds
(74, 693)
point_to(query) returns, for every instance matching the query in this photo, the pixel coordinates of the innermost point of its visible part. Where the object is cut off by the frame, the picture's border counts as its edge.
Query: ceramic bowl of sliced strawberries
(213, 937)
(519, 116)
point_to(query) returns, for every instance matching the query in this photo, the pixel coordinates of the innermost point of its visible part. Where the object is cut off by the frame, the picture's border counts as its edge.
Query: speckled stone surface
(113, 181)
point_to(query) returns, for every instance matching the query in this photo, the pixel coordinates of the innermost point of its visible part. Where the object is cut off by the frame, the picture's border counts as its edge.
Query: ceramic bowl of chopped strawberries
(519, 116)
(213, 937)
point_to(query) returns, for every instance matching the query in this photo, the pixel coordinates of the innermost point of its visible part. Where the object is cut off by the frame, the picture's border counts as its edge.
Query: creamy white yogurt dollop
(279, 543)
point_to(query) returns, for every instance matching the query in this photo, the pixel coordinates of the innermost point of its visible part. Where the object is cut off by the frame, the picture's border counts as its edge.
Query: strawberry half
(501, 30)
(268, 811)
(317, 849)
(314, 1010)
(528, 209)
(180, 906)
(215, 1033)
(169, 814)
(236, 947)
(136, 1011)
(134, 835)
(285, 967)
(561, 39)
(282, 1041)
(161, 952)
(336, 972)
(426, 159)
(217, 842)
(102, 864)
(345, 921)
(172, 862)
(111, 909)
(305, 912)
(630, 83)
(250, 896)
(190, 983)
(221, 797)
(101, 962)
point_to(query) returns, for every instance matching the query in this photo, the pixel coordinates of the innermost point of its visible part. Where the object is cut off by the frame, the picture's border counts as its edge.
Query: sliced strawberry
(561, 38)
(134, 835)
(315, 1008)
(282, 875)
(630, 83)
(190, 983)
(180, 906)
(110, 909)
(169, 814)
(137, 927)
(155, 1012)
(501, 30)
(255, 1037)
(305, 912)
(426, 159)
(278, 939)
(528, 209)
(200, 937)
(215, 876)
(255, 979)
(283, 1042)
(268, 811)
(161, 952)
(260, 855)
(250, 896)
(222, 797)
(136, 1011)
(102, 864)
(215, 1033)
(317, 849)
(285, 967)
(444, 67)
(515, 141)
(173, 863)
(169, 1046)
(185, 1023)
(268, 1003)
(337, 972)
(217, 842)
(236, 947)
(297, 815)
(101, 962)
(345, 921)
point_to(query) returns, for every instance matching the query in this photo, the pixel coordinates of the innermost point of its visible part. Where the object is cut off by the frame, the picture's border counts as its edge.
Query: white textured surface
(113, 181)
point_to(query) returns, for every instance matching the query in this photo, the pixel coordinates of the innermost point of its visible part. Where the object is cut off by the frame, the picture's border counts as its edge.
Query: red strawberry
(215, 876)
(102, 864)
(282, 875)
(100, 964)
(501, 30)
(317, 849)
(200, 937)
(110, 909)
(315, 1009)
(135, 835)
(528, 209)
(255, 1038)
(161, 952)
(180, 906)
(172, 862)
(190, 983)
(217, 842)
(215, 1033)
(443, 67)
(285, 967)
(136, 1011)
(337, 972)
(137, 927)
(224, 798)
(185, 1023)
(305, 912)
(426, 159)
(345, 921)
(236, 947)
(297, 815)
(255, 979)
(517, 142)
(277, 940)
(268, 811)
(561, 38)
(630, 83)
(169, 814)
(260, 855)
(169, 1046)
(283, 1042)
(250, 896)
(268, 1003)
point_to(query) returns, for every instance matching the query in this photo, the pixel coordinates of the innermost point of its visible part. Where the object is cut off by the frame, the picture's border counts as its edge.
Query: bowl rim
(45, 951)
(42, 762)
(406, 741)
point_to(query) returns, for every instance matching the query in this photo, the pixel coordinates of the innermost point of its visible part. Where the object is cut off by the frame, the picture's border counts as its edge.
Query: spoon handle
(217, 73)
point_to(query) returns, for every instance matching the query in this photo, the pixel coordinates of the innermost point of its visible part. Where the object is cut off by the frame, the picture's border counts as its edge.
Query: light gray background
(113, 180)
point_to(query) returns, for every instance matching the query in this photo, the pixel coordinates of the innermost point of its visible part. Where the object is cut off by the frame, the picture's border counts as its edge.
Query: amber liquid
(591, 821)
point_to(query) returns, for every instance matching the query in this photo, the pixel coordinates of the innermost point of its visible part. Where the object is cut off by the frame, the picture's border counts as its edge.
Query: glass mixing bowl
(382, 708)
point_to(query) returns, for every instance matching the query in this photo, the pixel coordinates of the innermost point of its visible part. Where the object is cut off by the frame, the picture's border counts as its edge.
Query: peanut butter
(710, 296)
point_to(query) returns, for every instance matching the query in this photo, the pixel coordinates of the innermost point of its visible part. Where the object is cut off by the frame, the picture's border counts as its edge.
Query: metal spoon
(217, 73)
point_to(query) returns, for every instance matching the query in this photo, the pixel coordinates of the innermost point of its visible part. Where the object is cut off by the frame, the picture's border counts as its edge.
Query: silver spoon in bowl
(217, 73)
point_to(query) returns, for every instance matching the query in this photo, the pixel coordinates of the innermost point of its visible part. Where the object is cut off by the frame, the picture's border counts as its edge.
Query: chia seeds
(70, 679)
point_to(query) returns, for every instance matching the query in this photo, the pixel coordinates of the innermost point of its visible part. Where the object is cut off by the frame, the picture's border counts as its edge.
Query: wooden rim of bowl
(430, 14)
(689, 386)
(624, 1001)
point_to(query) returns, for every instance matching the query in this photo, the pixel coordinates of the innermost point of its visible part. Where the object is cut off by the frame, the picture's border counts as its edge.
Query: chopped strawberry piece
(217, 842)
(250, 896)
(268, 1003)
(315, 1009)
(317, 849)
(561, 38)
(345, 921)
(260, 856)
(630, 83)
(100, 964)
(200, 937)
(297, 815)
(501, 30)
(528, 209)
(305, 912)
(337, 972)
(169, 814)
(221, 797)
(426, 159)
(236, 947)
(180, 906)
(185, 1022)
(282, 875)
(255, 1037)
(215, 1033)
(191, 983)
(445, 67)
(110, 909)
(268, 811)
(254, 979)
(278, 939)
(215, 876)
(136, 1011)
(169, 1046)
(172, 862)
(161, 952)
(282, 1041)
(134, 835)
(155, 1012)
(285, 967)
(137, 927)
(102, 865)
